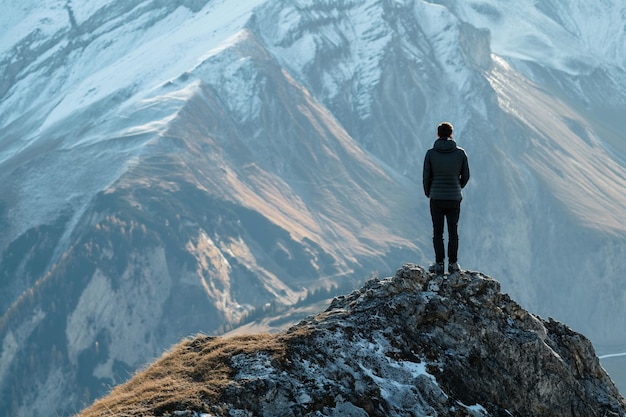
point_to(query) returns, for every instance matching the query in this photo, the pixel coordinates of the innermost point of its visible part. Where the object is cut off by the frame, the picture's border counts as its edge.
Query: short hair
(445, 129)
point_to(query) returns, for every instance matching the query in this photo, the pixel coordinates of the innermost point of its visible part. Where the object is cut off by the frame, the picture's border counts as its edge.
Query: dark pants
(445, 210)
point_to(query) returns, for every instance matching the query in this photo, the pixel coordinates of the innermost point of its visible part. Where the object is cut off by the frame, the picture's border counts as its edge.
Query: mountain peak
(413, 344)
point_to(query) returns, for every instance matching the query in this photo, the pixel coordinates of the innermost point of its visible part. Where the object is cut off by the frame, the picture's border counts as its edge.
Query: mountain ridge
(239, 154)
(412, 344)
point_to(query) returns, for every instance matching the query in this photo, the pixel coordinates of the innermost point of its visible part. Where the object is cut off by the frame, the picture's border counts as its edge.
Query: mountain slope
(202, 237)
(173, 168)
(544, 140)
(411, 345)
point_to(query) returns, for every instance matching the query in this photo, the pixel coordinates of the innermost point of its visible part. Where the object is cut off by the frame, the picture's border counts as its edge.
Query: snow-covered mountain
(168, 168)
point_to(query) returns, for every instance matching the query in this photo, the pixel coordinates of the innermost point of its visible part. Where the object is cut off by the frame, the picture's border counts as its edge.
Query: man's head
(445, 129)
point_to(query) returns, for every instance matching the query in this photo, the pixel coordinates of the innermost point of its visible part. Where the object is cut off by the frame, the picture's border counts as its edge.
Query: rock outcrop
(410, 345)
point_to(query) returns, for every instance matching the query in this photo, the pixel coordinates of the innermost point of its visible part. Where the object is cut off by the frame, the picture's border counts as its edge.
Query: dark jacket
(446, 170)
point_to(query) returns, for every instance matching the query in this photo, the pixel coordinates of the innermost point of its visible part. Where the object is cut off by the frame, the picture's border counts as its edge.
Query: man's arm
(427, 176)
(465, 171)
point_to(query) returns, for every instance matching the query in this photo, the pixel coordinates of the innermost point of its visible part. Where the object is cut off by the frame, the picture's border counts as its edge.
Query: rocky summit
(410, 345)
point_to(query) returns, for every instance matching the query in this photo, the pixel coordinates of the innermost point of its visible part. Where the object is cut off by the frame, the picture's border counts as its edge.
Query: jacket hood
(444, 145)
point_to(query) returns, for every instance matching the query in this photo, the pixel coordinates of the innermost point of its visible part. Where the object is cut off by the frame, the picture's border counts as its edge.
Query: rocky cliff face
(411, 345)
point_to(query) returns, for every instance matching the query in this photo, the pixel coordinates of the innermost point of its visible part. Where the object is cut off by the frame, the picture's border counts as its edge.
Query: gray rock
(419, 345)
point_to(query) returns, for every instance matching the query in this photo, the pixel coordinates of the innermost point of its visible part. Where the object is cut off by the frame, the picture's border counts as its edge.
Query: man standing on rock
(446, 172)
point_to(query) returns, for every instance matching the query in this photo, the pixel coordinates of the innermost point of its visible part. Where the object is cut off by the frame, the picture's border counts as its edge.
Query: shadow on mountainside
(410, 345)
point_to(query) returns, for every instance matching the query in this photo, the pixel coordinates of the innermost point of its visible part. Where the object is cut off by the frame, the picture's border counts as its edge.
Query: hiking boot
(436, 268)
(454, 267)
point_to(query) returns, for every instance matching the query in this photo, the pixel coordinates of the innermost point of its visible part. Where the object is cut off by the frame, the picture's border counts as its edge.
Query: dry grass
(189, 377)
